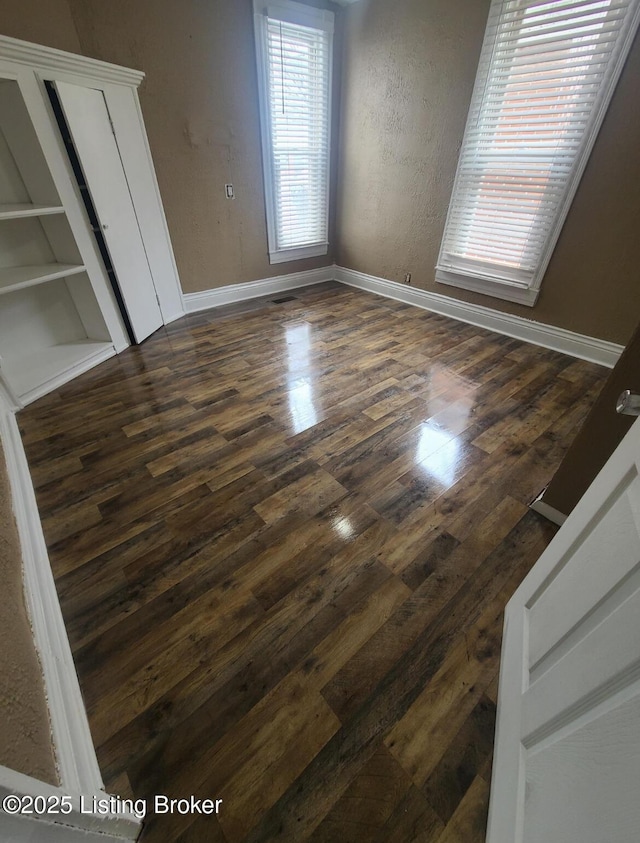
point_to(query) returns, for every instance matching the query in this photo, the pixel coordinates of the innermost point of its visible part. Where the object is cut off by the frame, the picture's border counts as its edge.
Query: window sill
(506, 290)
(286, 255)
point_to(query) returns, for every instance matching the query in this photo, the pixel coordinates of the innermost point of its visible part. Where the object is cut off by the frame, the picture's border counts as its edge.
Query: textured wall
(25, 733)
(49, 23)
(200, 104)
(408, 74)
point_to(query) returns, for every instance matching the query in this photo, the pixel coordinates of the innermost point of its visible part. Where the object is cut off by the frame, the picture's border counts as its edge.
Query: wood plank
(297, 607)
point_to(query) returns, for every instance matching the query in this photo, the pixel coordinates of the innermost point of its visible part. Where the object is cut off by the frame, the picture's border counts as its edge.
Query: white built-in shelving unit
(50, 321)
(86, 264)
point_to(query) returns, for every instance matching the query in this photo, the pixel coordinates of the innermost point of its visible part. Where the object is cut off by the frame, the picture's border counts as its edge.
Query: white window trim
(297, 13)
(522, 292)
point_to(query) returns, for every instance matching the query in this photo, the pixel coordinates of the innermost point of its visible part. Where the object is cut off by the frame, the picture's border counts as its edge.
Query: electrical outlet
(228, 191)
(407, 278)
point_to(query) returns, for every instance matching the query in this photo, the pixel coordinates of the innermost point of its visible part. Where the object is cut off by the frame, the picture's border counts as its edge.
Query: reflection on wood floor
(283, 536)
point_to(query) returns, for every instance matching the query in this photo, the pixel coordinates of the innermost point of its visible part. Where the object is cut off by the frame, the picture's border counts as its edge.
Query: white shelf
(14, 278)
(33, 375)
(17, 211)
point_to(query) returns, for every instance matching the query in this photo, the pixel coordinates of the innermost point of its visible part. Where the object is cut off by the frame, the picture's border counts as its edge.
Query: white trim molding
(48, 58)
(76, 757)
(80, 823)
(69, 374)
(519, 293)
(548, 336)
(549, 512)
(583, 347)
(195, 302)
(75, 754)
(301, 253)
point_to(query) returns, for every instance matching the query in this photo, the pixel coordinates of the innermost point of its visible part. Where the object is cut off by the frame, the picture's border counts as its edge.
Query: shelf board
(14, 278)
(28, 209)
(38, 372)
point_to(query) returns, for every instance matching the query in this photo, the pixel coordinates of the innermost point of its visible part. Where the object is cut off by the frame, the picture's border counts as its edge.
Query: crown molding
(48, 58)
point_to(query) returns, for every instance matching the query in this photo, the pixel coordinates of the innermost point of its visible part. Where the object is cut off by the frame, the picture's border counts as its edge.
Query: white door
(87, 116)
(567, 762)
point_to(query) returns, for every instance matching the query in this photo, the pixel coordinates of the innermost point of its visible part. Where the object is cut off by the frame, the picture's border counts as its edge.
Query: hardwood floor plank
(464, 759)
(366, 805)
(308, 495)
(174, 729)
(469, 822)
(326, 778)
(413, 821)
(283, 536)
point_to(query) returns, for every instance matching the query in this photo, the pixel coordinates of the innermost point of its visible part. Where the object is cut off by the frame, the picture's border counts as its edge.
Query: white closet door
(87, 116)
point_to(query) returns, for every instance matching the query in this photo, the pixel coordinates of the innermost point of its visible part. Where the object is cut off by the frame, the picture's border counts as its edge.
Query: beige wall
(25, 733)
(47, 22)
(200, 105)
(408, 74)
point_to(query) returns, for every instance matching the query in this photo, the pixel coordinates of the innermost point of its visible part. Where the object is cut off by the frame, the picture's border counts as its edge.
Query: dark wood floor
(283, 537)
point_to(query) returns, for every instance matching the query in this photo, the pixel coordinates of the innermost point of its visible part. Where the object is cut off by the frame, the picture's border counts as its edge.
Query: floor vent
(283, 300)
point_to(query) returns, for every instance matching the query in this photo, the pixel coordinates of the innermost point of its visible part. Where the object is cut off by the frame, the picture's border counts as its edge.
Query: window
(294, 52)
(546, 75)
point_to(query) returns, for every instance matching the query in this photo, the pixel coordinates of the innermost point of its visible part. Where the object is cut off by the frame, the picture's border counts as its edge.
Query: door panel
(577, 593)
(595, 766)
(567, 756)
(86, 114)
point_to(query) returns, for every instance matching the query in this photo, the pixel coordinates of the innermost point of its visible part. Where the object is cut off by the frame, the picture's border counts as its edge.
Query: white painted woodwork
(77, 763)
(86, 113)
(23, 242)
(51, 324)
(131, 136)
(17, 210)
(567, 762)
(51, 62)
(33, 375)
(18, 277)
(548, 336)
(78, 232)
(30, 174)
(38, 190)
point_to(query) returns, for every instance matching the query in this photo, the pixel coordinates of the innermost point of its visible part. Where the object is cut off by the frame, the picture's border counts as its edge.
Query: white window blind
(294, 59)
(546, 75)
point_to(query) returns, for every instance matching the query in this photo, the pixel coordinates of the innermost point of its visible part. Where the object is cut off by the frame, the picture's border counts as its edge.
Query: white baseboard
(549, 512)
(81, 824)
(581, 346)
(67, 375)
(172, 317)
(77, 763)
(575, 345)
(73, 746)
(195, 302)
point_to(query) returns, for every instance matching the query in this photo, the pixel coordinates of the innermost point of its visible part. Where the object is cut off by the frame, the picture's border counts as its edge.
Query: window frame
(288, 11)
(521, 291)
